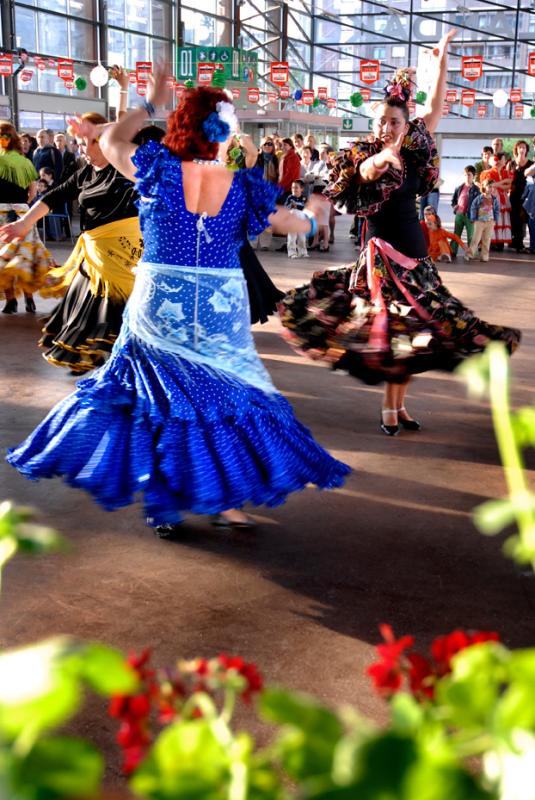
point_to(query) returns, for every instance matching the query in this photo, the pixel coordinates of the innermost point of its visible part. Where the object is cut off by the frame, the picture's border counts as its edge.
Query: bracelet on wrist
(123, 91)
(148, 107)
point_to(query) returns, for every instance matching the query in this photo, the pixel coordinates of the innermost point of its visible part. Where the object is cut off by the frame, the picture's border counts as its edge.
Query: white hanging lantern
(99, 76)
(500, 98)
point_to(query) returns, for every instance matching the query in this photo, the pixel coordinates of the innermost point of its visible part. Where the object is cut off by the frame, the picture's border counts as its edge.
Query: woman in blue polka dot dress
(184, 411)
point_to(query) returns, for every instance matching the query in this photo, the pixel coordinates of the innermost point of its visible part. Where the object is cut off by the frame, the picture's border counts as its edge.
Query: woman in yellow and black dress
(97, 278)
(23, 264)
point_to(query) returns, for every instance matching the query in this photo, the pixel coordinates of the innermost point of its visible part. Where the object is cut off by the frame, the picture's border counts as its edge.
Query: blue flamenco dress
(184, 411)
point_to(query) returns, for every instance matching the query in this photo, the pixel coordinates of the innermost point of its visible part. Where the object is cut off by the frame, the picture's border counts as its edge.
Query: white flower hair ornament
(218, 125)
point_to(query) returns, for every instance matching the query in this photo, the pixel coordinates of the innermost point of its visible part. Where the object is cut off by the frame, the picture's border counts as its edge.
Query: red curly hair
(185, 137)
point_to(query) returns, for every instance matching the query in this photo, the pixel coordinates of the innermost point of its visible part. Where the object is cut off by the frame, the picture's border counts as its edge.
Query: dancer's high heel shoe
(408, 424)
(30, 305)
(11, 306)
(388, 430)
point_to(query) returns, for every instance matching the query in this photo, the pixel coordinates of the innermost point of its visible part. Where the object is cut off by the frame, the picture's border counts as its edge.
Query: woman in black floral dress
(390, 316)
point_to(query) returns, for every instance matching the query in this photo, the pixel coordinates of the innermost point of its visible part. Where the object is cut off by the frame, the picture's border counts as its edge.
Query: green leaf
(189, 761)
(524, 426)
(57, 768)
(407, 713)
(476, 372)
(32, 538)
(36, 691)
(493, 516)
(428, 781)
(468, 696)
(310, 734)
(105, 670)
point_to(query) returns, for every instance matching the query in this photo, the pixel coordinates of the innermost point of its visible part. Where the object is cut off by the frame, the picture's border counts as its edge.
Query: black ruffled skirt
(82, 329)
(386, 318)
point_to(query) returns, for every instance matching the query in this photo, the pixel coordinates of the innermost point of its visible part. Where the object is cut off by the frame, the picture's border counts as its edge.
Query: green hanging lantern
(356, 100)
(189, 84)
(532, 112)
(218, 79)
(316, 102)
(421, 97)
(80, 83)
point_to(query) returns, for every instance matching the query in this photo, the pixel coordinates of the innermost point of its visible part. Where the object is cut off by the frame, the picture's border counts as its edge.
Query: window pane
(53, 5)
(52, 34)
(138, 15)
(49, 82)
(82, 40)
(160, 51)
(25, 27)
(116, 12)
(30, 121)
(161, 19)
(82, 8)
(116, 51)
(54, 121)
(137, 49)
(198, 28)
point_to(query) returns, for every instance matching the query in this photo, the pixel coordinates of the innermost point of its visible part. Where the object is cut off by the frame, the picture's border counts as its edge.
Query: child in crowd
(297, 242)
(484, 213)
(429, 211)
(439, 248)
(463, 197)
(47, 175)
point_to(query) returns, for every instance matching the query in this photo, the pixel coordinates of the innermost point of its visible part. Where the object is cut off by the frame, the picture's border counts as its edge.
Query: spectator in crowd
(518, 167)
(46, 155)
(69, 159)
(485, 163)
(268, 162)
(297, 242)
(310, 141)
(502, 184)
(497, 146)
(289, 167)
(432, 199)
(47, 175)
(322, 210)
(298, 143)
(28, 144)
(439, 239)
(461, 201)
(307, 174)
(277, 144)
(320, 168)
(484, 213)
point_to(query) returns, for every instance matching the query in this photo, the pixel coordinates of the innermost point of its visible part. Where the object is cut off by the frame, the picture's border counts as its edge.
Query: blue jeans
(430, 199)
(531, 228)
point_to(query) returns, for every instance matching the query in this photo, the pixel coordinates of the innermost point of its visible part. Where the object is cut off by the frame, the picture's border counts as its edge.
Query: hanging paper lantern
(532, 112)
(356, 99)
(99, 76)
(316, 102)
(80, 83)
(421, 97)
(189, 84)
(500, 98)
(298, 94)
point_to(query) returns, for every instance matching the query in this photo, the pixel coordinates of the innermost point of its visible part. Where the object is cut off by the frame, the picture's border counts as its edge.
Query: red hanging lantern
(482, 111)
(69, 84)
(323, 93)
(141, 88)
(468, 97)
(272, 97)
(180, 88)
(132, 78)
(308, 97)
(471, 67)
(370, 71)
(279, 72)
(284, 92)
(451, 96)
(253, 95)
(531, 64)
(236, 94)
(331, 102)
(66, 69)
(515, 95)
(519, 112)
(365, 94)
(143, 70)
(6, 65)
(26, 75)
(445, 109)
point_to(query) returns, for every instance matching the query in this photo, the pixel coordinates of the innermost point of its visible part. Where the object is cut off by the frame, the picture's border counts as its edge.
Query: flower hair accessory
(218, 125)
(401, 85)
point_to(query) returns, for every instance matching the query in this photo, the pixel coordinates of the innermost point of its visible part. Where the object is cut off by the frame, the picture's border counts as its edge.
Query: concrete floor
(302, 596)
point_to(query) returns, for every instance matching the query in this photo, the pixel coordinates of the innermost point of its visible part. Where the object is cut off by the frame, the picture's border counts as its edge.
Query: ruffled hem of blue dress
(188, 438)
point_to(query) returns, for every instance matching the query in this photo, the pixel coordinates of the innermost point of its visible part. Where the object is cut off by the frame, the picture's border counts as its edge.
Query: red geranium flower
(421, 675)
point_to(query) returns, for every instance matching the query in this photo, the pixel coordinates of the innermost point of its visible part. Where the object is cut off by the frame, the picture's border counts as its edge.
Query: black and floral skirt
(386, 318)
(81, 331)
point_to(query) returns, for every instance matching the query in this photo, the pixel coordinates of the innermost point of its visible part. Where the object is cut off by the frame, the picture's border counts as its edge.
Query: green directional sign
(238, 65)
(347, 124)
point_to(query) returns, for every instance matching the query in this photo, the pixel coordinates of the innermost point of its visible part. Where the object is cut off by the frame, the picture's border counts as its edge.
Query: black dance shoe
(408, 424)
(168, 531)
(388, 430)
(30, 305)
(11, 306)
(219, 521)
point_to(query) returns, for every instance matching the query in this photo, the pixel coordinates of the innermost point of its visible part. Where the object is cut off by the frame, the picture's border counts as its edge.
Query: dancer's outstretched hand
(391, 154)
(157, 88)
(442, 46)
(13, 231)
(83, 128)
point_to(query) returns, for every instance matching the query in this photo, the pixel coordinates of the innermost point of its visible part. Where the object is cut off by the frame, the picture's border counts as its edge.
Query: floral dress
(390, 315)
(184, 411)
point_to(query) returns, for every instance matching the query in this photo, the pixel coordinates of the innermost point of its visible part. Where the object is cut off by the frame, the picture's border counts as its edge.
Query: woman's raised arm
(435, 100)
